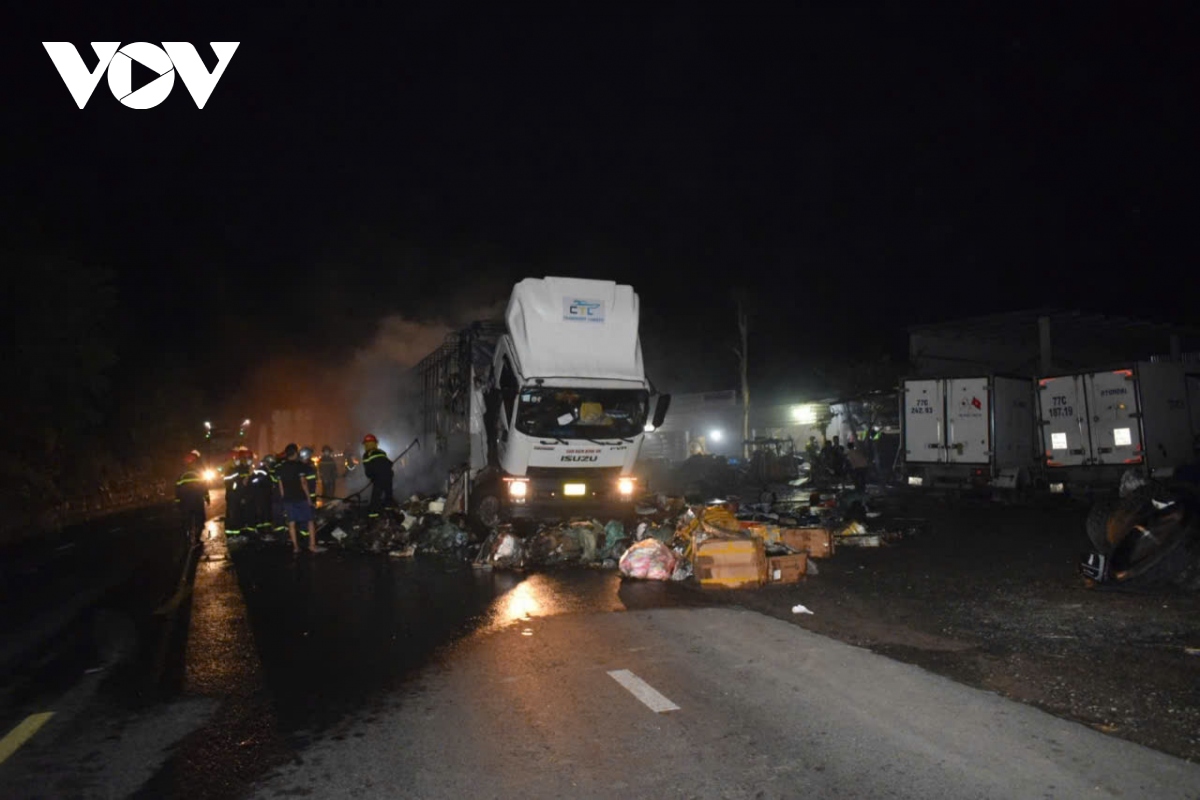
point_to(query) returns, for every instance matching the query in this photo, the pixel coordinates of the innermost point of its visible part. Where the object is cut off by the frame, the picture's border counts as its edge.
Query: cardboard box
(787, 569)
(731, 563)
(817, 542)
(766, 531)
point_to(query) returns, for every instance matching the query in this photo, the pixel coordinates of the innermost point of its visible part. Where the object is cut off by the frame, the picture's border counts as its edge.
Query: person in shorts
(297, 501)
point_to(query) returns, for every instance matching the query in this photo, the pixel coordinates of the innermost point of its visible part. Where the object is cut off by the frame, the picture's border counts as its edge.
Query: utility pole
(742, 354)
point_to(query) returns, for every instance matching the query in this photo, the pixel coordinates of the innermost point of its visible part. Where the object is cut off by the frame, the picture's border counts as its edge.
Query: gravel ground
(991, 595)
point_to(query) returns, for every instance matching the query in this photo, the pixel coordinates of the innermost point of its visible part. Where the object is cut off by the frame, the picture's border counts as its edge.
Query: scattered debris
(648, 559)
(721, 542)
(801, 610)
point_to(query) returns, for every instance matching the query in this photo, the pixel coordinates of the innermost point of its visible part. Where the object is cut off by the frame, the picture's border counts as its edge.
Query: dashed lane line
(22, 734)
(643, 691)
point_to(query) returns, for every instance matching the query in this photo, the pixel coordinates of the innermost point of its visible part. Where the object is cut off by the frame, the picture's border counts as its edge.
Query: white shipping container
(1117, 417)
(977, 421)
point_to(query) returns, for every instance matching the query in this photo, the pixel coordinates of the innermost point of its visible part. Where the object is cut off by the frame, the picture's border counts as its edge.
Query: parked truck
(1097, 424)
(969, 431)
(542, 417)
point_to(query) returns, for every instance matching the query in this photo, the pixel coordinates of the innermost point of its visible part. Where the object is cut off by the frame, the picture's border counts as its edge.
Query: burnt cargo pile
(721, 543)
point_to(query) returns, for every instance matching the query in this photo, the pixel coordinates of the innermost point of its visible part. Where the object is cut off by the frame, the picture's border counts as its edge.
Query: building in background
(1032, 344)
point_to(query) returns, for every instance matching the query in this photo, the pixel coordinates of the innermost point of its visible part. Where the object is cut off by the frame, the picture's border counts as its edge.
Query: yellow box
(731, 563)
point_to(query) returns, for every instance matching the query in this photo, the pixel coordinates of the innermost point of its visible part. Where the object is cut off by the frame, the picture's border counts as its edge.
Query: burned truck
(541, 417)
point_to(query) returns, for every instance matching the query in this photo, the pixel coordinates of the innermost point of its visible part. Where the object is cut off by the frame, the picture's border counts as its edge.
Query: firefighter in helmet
(191, 496)
(378, 468)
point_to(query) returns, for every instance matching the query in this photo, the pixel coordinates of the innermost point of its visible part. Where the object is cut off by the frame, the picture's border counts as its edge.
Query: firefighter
(378, 468)
(262, 487)
(238, 498)
(191, 496)
(310, 476)
(278, 523)
(328, 471)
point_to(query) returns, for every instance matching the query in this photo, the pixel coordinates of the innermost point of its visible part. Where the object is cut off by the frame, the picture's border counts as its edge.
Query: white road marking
(643, 691)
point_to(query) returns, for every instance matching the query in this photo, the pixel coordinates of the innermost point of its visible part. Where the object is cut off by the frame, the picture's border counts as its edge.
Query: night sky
(854, 172)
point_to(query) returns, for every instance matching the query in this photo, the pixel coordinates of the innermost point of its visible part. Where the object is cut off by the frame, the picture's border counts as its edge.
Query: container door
(968, 410)
(1115, 417)
(1062, 409)
(924, 418)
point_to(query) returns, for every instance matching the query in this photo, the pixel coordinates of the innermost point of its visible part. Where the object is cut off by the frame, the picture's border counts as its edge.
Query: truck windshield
(582, 413)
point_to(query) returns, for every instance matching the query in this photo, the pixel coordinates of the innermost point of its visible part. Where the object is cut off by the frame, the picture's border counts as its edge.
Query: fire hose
(417, 443)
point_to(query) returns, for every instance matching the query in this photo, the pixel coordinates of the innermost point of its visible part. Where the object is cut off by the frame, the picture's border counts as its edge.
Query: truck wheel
(486, 510)
(1097, 524)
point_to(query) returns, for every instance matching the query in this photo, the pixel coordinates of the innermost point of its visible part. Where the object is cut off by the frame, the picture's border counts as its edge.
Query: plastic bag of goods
(650, 560)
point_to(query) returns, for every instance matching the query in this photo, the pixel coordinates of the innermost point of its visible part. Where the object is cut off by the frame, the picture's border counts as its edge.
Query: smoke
(386, 396)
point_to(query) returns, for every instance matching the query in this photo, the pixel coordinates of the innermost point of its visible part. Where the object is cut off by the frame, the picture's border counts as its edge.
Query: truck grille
(570, 473)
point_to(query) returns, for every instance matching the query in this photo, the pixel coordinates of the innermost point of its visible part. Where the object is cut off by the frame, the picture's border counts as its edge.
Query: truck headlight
(625, 486)
(518, 488)
(210, 475)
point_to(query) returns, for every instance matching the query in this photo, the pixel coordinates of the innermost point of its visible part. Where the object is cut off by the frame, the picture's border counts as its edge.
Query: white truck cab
(565, 407)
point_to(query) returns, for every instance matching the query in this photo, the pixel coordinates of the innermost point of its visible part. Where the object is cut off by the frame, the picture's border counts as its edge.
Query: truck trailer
(969, 431)
(1097, 424)
(542, 417)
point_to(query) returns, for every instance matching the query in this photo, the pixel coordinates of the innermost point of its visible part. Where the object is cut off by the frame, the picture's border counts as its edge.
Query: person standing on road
(262, 487)
(191, 496)
(236, 481)
(310, 471)
(858, 463)
(328, 472)
(378, 468)
(297, 502)
(278, 523)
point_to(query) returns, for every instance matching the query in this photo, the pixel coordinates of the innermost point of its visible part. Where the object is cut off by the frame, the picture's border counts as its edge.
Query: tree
(60, 314)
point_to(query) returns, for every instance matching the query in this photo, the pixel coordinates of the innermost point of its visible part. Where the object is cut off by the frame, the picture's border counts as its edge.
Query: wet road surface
(346, 675)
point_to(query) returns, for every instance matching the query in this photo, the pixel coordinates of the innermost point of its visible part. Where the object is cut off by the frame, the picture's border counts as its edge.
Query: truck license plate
(574, 489)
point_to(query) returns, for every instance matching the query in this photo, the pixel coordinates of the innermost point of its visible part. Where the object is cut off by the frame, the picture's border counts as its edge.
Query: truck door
(968, 432)
(1062, 408)
(508, 400)
(924, 417)
(1115, 417)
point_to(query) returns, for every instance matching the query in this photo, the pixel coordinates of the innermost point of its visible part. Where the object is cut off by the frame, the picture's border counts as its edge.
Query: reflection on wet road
(270, 652)
(337, 630)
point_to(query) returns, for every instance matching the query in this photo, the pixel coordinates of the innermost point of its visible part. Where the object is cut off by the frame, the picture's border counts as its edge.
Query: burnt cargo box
(787, 569)
(817, 542)
(731, 563)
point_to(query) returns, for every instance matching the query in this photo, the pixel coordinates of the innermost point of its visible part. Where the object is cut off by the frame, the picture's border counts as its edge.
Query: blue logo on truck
(579, 310)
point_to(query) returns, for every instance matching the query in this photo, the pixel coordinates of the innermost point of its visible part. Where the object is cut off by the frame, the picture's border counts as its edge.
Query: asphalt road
(341, 675)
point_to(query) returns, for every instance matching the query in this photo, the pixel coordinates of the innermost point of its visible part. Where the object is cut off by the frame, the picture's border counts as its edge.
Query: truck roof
(574, 327)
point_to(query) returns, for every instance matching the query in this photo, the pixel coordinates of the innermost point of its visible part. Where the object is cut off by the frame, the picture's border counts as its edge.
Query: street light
(805, 414)
(715, 435)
